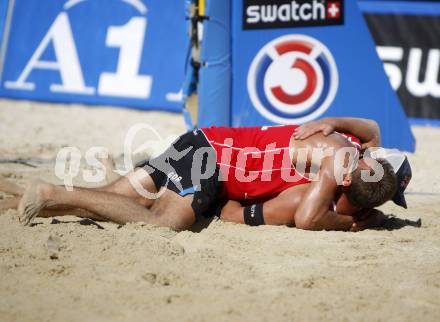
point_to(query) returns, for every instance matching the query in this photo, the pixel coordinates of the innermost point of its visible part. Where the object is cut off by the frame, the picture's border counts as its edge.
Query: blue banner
(118, 52)
(3, 11)
(296, 61)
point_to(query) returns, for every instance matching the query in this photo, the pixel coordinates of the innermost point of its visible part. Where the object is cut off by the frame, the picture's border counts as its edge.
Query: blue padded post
(215, 72)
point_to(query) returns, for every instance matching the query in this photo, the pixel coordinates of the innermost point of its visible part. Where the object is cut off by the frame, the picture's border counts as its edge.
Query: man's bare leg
(12, 203)
(110, 174)
(124, 187)
(17, 191)
(121, 186)
(171, 210)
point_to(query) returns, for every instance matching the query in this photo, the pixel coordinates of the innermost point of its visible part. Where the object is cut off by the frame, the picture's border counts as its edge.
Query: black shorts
(189, 166)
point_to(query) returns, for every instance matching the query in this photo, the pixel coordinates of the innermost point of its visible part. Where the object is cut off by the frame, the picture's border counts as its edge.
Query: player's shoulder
(341, 140)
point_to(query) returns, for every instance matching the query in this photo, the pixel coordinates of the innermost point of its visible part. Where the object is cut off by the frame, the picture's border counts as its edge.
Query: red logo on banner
(292, 79)
(333, 10)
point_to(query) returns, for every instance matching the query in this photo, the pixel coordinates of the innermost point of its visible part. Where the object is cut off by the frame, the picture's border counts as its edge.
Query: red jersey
(255, 162)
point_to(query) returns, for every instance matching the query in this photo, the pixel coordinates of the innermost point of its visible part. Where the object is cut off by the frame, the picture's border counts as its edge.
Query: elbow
(307, 223)
(227, 216)
(232, 216)
(376, 129)
(373, 123)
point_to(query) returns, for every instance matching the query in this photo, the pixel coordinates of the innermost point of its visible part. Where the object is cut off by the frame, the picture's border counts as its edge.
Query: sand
(68, 269)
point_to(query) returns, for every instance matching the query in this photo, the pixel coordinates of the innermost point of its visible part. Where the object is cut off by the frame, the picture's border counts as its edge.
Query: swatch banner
(409, 46)
(298, 61)
(118, 52)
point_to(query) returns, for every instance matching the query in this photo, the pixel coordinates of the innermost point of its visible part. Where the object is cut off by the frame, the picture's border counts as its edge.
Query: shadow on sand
(83, 222)
(391, 223)
(394, 223)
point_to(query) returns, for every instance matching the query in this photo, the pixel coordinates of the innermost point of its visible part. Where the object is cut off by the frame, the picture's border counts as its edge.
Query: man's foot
(33, 201)
(109, 166)
(10, 187)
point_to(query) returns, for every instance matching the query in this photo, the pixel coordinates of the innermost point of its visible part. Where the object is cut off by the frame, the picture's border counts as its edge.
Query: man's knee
(184, 222)
(144, 201)
(175, 215)
(178, 221)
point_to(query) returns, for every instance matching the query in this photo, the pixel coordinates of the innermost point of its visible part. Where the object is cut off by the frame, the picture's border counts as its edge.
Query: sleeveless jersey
(255, 162)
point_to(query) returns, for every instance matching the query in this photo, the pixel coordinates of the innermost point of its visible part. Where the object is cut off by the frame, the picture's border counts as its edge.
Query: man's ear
(347, 180)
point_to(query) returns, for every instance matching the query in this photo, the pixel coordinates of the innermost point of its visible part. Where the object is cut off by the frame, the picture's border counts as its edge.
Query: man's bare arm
(313, 213)
(281, 210)
(313, 210)
(366, 130)
(275, 212)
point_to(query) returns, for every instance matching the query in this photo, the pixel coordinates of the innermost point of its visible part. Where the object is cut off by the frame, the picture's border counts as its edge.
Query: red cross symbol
(333, 10)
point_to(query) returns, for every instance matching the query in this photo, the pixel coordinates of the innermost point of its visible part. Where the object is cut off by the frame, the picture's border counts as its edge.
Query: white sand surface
(65, 271)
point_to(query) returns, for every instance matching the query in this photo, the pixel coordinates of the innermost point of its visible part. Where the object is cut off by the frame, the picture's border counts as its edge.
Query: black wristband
(253, 215)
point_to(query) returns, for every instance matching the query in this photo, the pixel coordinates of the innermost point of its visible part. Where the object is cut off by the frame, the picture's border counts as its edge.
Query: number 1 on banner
(127, 82)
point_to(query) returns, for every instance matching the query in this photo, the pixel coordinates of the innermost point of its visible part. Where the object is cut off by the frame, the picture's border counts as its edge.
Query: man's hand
(304, 131)
(369, 218)
(367, 131)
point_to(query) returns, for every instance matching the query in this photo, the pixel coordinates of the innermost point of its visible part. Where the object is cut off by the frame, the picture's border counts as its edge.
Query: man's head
(370, 193)
(402, 168)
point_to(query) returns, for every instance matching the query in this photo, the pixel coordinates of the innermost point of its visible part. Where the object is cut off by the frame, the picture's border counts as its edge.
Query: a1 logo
(124, 82)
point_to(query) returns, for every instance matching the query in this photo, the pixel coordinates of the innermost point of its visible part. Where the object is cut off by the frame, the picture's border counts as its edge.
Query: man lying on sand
(281, 209)
(265, 163)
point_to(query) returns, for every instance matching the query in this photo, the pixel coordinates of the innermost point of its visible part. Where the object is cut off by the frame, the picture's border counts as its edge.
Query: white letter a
(67, 62)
